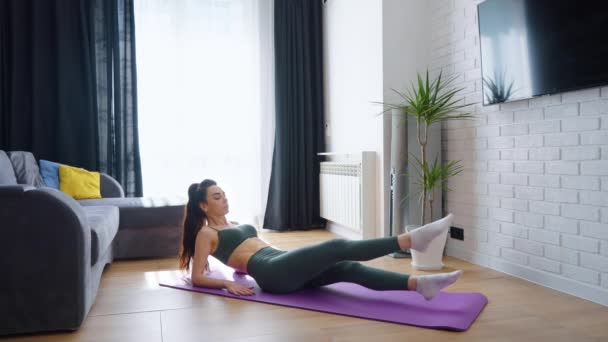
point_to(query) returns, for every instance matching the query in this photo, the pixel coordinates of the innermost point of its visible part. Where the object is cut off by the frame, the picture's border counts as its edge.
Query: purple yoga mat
(451, 311)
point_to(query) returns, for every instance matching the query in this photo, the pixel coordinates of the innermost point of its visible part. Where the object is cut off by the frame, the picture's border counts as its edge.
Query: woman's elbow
(197, 281)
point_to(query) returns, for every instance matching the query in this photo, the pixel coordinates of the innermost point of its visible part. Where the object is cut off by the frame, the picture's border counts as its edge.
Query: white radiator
(348, 192)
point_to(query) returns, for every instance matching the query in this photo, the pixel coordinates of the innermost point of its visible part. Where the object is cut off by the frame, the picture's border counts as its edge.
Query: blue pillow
(50, 173)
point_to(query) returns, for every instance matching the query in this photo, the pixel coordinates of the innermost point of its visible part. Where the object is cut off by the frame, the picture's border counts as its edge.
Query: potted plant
(430, 102)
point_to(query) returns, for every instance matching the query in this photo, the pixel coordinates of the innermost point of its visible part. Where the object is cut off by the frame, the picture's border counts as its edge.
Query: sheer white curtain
(206, 98)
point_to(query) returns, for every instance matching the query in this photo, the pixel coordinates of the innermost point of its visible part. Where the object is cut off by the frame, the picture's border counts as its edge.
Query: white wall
(533, 200)
(353, 74)
(353, 79)
(405, 44)
(405, 54)
(370, 47)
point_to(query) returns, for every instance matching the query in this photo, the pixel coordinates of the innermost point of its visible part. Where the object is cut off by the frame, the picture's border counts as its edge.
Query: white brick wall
(562, 196)
(500, 142)
(570, 139)
(514, 256)
(529, 141)
(514, 154)
(500, 118)
(545, 154)
(581, 212)
(580, 243)
(514, 230)
(595, 168)
(560, 224)
(594, 138)
(562, 255)
(514, 179)
(536, 193)
(529, 219)
(545, 264)
(544, 236)
(528, 115)
(562, 168)
(580, 153)
(581, 274)
(580, 124)
(594, 261)
(500, 214)
(529, 247)
(514, 204)
(500, 190)
(604, 248)
(561, 111)
(544, 207)
(500, 240)
(529, 193)
(595, 230)
(515, 129)
(546, 126)
(581, 182)
(500, 166)
(488, 249)
(580, 95)
(594, 198)
(545, 181)
(596, 107)
(529, 167)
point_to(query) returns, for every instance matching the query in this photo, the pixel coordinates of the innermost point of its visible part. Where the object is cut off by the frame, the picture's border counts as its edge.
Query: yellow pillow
(79, 183)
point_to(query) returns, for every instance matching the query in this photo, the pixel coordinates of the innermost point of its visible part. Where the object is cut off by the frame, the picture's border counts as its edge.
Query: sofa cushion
(26, 168)
(79, 183)
(7, 174)
(144, 212)
(104, 226)
(50, 173)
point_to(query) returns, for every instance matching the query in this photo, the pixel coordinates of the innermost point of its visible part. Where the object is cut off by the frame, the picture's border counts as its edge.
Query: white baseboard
(552, 281)
(343, 231)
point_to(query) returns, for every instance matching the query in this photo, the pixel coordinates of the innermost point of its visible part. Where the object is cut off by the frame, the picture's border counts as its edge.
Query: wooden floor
(130, 306)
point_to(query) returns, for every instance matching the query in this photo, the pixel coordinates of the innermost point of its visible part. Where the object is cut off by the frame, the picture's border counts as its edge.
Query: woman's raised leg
(294, 269)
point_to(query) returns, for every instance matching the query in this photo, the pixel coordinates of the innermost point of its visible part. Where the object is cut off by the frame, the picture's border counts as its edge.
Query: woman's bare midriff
(243, 252)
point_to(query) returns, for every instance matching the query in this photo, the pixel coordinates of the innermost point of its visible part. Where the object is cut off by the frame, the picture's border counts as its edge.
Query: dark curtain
(113, 43)
(46, 102)
(67, 84)
(293, 198)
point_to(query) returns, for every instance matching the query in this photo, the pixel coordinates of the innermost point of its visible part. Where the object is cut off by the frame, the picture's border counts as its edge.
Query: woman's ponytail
(193, 221)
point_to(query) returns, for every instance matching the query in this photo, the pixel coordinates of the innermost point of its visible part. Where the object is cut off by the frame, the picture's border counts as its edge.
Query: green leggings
(325, 263)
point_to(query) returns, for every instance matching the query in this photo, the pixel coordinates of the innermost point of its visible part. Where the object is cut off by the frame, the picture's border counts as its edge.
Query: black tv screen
(538, 47)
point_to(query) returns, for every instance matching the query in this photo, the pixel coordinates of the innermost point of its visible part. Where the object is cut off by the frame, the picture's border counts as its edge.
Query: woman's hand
(238, 289)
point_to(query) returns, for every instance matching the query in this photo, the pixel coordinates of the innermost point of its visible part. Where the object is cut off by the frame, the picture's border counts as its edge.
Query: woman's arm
(202, 250)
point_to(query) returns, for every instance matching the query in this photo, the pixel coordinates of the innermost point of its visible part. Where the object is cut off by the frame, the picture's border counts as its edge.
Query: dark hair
(194, 220)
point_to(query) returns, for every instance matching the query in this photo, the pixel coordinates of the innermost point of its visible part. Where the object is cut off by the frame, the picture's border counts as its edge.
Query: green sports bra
(230, 239)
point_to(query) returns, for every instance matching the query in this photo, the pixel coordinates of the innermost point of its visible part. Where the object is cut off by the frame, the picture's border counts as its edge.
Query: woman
(208, 232)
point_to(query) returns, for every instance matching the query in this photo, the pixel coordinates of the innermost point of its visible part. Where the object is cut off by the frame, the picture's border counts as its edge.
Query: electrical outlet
(457, 233)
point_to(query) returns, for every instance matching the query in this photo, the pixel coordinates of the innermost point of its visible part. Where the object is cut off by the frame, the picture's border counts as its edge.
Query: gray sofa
(54, 249)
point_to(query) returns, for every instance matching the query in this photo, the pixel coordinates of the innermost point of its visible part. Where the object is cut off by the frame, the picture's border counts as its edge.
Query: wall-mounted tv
(538, 47)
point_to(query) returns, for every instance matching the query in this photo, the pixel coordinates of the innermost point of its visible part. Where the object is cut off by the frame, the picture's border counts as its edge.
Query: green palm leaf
(428, 102)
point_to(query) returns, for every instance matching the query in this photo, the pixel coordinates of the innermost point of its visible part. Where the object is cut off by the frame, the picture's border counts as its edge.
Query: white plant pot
(432, 258)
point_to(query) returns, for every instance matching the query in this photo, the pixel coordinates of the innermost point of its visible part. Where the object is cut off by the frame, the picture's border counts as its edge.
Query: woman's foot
(419, 239)
(429, 285)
